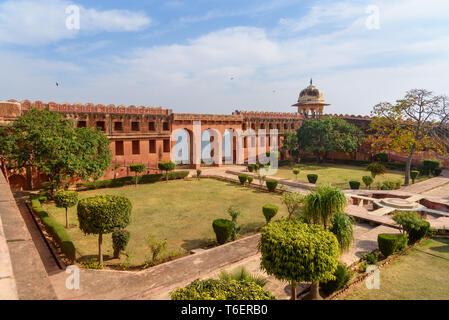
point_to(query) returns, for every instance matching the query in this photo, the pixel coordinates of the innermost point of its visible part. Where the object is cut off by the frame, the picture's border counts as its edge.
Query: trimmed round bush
(430, 166)
(166, 166)
(120, 239)
(66, 199)
(137, 168)
(271, 185)
(382, 157)
(269, 211)
(296, 171)
(355, 185)
(103, 214)
(223, 229)
(251, 167)
(213, 289)
(250, 179)
(368, 181)
(390, 243)
(376, 169)
(391, 185)
(414, 174)
(437, 172)
(242, 178)
(312, 178)
(342, 276)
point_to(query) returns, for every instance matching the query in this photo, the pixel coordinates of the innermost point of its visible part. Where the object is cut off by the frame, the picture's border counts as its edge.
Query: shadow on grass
(94, 258)
(251, 227)
(198, 243)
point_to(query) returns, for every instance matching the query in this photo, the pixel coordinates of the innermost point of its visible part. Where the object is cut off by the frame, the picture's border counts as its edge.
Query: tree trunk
(66, 218)
(314, 293)
(166, 176)
(135, 176)
(100, 250)
(29, 174)
(408, 165)
(293, 288)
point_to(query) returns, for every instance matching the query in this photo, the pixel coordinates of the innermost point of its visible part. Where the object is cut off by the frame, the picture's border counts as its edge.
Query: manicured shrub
(355, 185)
(150, 178)
(342, 277)
(177, 175)
(296, 171)
(137, 168)
(368, 181)
(298, 252)
(390, 243)
(66, 199)
(223, 230)
(234, 212)
(312, 178)
(213, 289)
(376, 169)
(120, 239)
(166, 166)
(198, 174)
(412, 224)
(242, 178)
(103, 214)
(269, 211)
(157, 247)
(56, 230)
(271, 185)
(250, 179)
(251, 167)
(381, 157)
(414, 174)
(370, 258)
(391, 185)
(437, 172)
(430, 166)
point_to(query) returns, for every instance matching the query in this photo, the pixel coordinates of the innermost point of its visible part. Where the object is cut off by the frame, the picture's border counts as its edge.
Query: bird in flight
(57, 84)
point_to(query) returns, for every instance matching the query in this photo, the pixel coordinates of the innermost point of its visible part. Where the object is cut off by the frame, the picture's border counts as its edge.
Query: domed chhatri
(311, 102)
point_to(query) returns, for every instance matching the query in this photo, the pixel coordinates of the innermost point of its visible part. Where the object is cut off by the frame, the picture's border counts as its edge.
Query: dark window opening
(101, 125)
(136, 147)
(82, 124)
(152, 146)
(165, 126)
(134, 126)
(166, 145)
(119, 151)
(151, 126)
(118, 126)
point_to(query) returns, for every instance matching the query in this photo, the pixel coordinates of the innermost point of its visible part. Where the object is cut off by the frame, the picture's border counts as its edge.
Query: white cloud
(28, 22)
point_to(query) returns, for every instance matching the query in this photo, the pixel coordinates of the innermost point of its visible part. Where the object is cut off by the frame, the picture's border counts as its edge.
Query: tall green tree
(290, 144)
(47, 141)
(416, 123)
(326, 135)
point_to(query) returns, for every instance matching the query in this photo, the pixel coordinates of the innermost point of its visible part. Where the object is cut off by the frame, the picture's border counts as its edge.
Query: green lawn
(338, 175)
(179, 211)
(422, 274)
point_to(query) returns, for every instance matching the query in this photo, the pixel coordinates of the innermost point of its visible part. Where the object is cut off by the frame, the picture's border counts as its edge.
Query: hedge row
(143, 179)
(56, 230)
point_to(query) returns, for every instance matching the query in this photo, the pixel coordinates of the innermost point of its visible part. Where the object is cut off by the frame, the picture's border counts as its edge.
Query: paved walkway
(30, 276)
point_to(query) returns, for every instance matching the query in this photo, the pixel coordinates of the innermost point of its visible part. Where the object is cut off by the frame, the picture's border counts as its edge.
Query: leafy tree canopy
(326, 135)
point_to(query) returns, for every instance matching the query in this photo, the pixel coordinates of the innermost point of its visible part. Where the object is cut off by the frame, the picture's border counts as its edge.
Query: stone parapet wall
(8, 290)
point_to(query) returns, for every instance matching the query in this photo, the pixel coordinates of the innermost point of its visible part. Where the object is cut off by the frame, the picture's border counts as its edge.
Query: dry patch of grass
(421, 274)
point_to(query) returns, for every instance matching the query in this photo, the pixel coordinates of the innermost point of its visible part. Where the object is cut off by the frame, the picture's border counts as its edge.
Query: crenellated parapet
(268, 115)
(206, 117)
(66, 107)
(347, 116)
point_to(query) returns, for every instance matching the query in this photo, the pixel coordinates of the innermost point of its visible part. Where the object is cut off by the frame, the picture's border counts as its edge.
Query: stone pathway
(31, 277)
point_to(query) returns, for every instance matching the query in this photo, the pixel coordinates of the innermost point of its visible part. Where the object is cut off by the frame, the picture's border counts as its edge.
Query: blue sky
(218, 56)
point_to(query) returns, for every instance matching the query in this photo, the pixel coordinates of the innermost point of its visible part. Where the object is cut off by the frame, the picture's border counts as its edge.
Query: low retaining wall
(8, 290)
